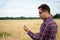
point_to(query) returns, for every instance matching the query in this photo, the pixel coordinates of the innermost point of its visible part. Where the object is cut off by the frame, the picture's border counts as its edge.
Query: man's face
(42, 14)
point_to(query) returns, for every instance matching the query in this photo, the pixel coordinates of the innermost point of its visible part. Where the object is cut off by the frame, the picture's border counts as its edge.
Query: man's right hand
(25, 28)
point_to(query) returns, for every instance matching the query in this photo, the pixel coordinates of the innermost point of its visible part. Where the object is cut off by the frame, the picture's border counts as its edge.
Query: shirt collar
(48, 18)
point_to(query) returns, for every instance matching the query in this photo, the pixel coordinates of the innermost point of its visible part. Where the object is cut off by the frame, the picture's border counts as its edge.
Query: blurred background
(14, 14)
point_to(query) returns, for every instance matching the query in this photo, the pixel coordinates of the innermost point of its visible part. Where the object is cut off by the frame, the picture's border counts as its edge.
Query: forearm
(32, 35)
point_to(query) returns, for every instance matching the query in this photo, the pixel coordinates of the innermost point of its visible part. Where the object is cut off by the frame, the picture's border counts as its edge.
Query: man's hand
(25, 28)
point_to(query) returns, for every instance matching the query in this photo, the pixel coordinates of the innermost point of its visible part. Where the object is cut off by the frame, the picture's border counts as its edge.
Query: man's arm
(33, 36)
(40, 35)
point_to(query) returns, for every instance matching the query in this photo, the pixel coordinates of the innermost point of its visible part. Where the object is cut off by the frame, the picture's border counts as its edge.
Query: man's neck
(48, 16)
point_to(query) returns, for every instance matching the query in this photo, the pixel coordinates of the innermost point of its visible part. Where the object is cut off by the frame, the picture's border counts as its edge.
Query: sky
(26, 8)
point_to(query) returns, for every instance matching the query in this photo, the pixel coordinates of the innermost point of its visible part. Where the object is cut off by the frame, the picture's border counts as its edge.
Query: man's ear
(46, 12)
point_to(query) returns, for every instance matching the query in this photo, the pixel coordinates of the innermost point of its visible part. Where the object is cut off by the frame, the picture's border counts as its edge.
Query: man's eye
(40, 12)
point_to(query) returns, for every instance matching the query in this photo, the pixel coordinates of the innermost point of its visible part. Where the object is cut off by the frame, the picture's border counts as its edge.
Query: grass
(15, 28)
(4, 34)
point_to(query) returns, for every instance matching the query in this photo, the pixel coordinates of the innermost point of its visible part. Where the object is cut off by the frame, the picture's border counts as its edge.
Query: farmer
(48, 29)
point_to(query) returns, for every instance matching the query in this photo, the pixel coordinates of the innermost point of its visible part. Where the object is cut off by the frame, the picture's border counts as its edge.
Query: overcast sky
(27, 8)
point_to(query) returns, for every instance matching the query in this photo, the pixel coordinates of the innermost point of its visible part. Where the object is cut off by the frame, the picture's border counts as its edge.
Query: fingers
(24, 26)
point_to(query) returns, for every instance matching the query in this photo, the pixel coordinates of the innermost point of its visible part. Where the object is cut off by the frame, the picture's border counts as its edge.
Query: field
(15, 28)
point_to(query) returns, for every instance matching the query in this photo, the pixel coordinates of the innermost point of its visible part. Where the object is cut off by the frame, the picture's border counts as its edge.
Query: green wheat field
(13, 29)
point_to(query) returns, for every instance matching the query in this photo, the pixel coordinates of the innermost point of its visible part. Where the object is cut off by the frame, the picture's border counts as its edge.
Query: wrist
(27, 30)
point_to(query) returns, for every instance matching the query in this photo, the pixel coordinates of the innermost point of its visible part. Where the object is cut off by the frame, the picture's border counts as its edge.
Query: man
(48, 29)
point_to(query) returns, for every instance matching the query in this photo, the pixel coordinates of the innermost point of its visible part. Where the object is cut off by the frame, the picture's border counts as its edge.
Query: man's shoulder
(47, 22)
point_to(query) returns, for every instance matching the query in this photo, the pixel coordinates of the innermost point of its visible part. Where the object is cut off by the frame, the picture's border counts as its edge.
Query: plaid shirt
(48, 30)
